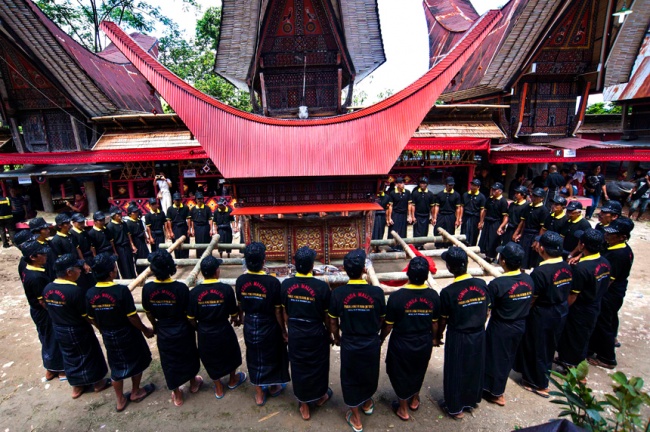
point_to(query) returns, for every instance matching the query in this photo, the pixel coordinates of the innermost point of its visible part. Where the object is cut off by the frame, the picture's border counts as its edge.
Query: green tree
(603, 108)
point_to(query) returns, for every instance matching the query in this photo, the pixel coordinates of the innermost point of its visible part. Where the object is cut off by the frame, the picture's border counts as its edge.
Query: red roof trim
(85, 157)
(476, 144)
(312, 208)
(583, 155)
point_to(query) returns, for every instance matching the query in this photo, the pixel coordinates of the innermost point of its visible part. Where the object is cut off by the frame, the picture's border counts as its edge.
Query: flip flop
(395, 406)
(107, 383)
(416, 407)
(217, 396)
(175, 401)
(199, 380)
(263, 400)
(277, 393)
(63, 378)
(534, 390)
(148, 389)
(370, 410)
(242, 379)
(348, 418)
(329, 396)
(127, 395)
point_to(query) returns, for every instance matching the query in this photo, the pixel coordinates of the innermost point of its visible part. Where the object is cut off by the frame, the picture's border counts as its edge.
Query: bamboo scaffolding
(147, 272)
(220, 246)
(432, 283)
(414, 240)
(191, 279)
(390, 256)
(489, 268)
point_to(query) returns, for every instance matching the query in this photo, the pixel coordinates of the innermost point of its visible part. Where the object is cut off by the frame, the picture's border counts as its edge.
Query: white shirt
(163, 185)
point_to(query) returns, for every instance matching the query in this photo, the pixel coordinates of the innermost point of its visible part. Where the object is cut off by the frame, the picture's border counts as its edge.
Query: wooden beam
(75, 133)
(191, 279)
(265, 107)
(145, 274)
(340, 89)
(489, 268)
(583, 107)
(522, 109)
(432, 283)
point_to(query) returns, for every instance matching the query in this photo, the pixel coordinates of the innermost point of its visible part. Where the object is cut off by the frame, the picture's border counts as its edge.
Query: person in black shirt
(62, 242)
(41, 230)
(540, 180)
(558, 219)
(516, 209)
(200, 221)
(496, 219)
(448, 210)
(595, 187)
(101, 240)
(81, 240)
(514, 184)
(260, 309)
(7, 224)
(620, 256)
(412, 315)
(20, 238)
(306, 301)
(552, 285)
(608, 214)
(221, 224)
(473, 213)
(166, 303)
(177, 216)
(123, 244)
(155, 224)
(83, 360)
(34, 280)
(574, 224)
(111, 308)
(397, 215)
(379, 226)
(590, 282)
(464, 307)
(511, 295)
(530, 226)
(357, 311)
(552, 185)
(421, 209)
(211, 304)
(137, 234)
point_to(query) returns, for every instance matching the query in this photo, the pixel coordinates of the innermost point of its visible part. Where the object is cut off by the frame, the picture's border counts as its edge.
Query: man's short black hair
(354, 263)
(418, 270)
(254, 255)
(304, 258)
(162, 264)
(209, 266)
(593, 240)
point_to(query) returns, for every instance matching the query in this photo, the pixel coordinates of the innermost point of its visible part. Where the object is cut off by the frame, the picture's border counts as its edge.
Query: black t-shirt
(515, 212)
(166, 299)
(212, 301)
(621, 259)
(552, 281)
(360, 308)
(590, 279)
(119, 232)
(81, 240)
(594, 184)
(383, 200)
(535, 216)
(223, 218)
(570, 240)
(473, 203)
(305, 298)
(178, 215)
(400, 201)
(34, 281)
(555, 181)
(465, 303)
(511, 295)
(62, 244)
(201, 215)
(155, 221)
(412, 309)
(110, 305)
(66, 303)
(448, 202)
(134, 227)
(496, 208)
(556, 223)
(258, 293)
(539, 182)
(101, 240)
(423, 200)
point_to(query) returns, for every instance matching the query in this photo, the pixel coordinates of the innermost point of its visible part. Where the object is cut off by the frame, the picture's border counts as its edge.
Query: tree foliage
(603, 108)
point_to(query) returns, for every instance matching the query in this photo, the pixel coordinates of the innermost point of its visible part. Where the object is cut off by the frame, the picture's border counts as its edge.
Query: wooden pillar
(91, 196)
(511, 172)
(46, 196)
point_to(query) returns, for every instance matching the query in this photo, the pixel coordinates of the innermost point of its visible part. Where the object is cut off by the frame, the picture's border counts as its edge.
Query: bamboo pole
(145, 274)
(432, 283)
(220, 246)
(415, 240)
(195, 271)
(186, 262)
(389, 256)
(489, 268)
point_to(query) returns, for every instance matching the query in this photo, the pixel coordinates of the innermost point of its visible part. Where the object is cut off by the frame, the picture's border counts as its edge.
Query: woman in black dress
(166, 301)
(211, 304)
(112, 310)
(260, 309)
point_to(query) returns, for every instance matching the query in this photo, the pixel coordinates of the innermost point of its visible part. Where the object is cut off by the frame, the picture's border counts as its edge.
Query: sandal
(416, 407)
(242, 379)
(49, 375)
(277, 393)
(348, 418)
(127, 397)
(148, 389)
(264, 391)
(596, 362)
(177, 402)
(107, 383)
(370, 410)
(329, 396)
(395, 406)
(216, 395)
(199, 381)
(541, 393)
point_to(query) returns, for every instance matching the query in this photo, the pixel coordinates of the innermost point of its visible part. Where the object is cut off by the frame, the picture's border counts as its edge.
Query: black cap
(176, 196)
(354, 261)
(522, 190)
(78, 217)
(551, 241)
(114, 210)
(132, 208)
(153, 200)
(574, 205)
(32, 247)
(22, 236)
(103, 264)
(222, 201)
(424, 179)
(99, 216)
(399, 180)
(512, 252)
(539, 192)
(593, 239)
(198, 195)
(476, 182)
(450, 181)
(38, 224)
(559, 200)
(67, 261)
(454, 255)
(613, 207)
(621, 225)
(498, 186)
(61, 219)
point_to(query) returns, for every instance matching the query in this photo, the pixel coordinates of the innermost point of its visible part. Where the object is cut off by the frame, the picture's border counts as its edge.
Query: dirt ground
(27, 402)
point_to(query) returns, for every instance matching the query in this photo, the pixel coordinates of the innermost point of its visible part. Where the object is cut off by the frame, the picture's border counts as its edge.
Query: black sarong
(507, 235)
(178, 231)
(125, 261)
(309, 355)
(202, 236)
(142, 253)
(537, 348)
(359, 368)
(448, 223)
(379, 227)
(225, 235)
(421, 225)
(407, 360)
(218, 348)
(531, 257)
(50, 351)
(579, 326)
(490, 240)
(266, 352)
(83, 360)
(464, 369)
(502, 341)
(127, 352)
(179, 356)
(604, 336)
(158, 239)
(399, 226)
(470, 228)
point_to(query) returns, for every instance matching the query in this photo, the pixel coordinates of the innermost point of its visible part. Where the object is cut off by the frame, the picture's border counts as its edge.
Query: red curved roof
(245, 145)
(453, 15)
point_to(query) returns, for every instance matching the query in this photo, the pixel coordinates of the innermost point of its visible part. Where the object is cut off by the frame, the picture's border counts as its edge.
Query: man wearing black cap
(379, 227)
(590, 282)
(464, 309)
(496, 219)
(177, 216)
(553, 183)
(61, 243)
(620, 256)
(558, 219)
(397, 215)
(448, 210)
(608, 213)
(222, 223)
(83, 360)
(511, 295)
(422, 208)
(640, 196)
(123, 244)
(575, 223)
(552, 281)
(7, 224)
(20, 238)
(137, 234)
(516, 210)
(473, 213)
(532, 222)
(200, 221)
(101, 240)
(41, 230)
(35, 279)
(155, 223)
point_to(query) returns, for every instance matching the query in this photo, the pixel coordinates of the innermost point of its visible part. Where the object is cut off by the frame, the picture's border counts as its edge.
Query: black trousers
(604, 336)
(448, 223)
(399, 226)
(125, 261)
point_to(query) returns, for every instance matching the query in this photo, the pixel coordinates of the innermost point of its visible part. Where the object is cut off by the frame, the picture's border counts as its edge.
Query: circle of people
(569, 304)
